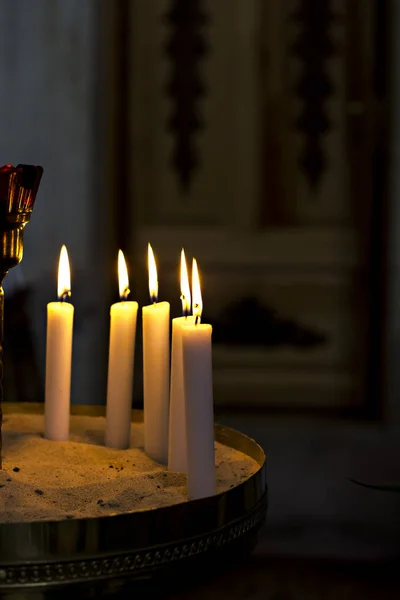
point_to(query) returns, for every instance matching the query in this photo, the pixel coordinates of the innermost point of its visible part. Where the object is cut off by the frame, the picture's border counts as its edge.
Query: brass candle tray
(102, 556)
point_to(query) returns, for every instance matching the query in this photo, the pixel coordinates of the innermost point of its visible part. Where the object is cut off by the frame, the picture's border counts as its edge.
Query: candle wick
(125, 294)
(65, 295)
(198, 316)
(185, 309)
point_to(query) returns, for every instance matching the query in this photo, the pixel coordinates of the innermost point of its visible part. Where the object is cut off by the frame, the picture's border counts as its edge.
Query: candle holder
(18, 189)
(146, 550)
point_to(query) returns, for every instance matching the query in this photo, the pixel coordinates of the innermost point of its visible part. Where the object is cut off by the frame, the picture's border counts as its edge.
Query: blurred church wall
(52, 115)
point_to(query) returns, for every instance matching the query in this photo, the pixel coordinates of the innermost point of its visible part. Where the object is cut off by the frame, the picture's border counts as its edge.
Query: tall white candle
(198, 386)
(121, 355)
(60, 318)
(177, 454)
(155, 370)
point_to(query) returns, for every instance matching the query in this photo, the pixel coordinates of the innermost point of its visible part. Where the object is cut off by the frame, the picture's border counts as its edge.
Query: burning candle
(121, 355)
(155, 370)
(60, 318)
(198, 386)
(177, 454)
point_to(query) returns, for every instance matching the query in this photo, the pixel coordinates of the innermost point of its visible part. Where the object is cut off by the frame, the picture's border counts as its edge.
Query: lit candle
(155, 370)
(177, 454)
(198, 386)
(121, 355)
(60, 318)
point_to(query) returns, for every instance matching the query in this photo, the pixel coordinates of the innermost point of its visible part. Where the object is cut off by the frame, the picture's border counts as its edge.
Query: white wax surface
(156, 324)
(123, 316)
(198, 385)
(60, 318)
(177, 454)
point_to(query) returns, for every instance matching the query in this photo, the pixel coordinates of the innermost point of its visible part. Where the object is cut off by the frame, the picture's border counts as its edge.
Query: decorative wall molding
(314, 48)
(186, 49)
(260, 224)
(280, 247)
(226, 149)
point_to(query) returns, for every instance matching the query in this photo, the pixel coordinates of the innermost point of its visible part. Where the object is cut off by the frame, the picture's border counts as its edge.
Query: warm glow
(123, 280)
(196, 291)
(185, 287)
(64, 275)
(153, 283)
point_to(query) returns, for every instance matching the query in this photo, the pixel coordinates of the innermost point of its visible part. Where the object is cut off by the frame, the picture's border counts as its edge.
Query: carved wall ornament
(314, 48)
(186, 49)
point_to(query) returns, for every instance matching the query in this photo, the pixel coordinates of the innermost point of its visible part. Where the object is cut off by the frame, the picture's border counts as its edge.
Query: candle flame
(185, 287)
(123, 279)
(153, 282)
(64, 275)
(196, 290)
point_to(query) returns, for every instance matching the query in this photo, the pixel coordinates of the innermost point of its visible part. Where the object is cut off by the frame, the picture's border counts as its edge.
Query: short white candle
(177, 454)
(198, 385)
(123, 316)
(60, 318)
(156, 370)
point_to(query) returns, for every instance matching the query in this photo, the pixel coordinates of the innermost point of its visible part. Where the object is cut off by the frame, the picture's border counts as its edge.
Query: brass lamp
(18, 189)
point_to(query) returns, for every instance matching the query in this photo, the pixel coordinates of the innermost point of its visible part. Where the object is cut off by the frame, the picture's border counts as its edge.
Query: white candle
(121, 355)
(198, 386)
(60, 318)
(177, 454)
(155, 370)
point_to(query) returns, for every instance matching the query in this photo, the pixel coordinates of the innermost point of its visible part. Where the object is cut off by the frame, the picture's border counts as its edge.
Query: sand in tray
(45, 480)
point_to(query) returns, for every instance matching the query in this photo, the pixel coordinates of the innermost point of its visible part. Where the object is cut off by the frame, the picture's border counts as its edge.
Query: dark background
(263, 136)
